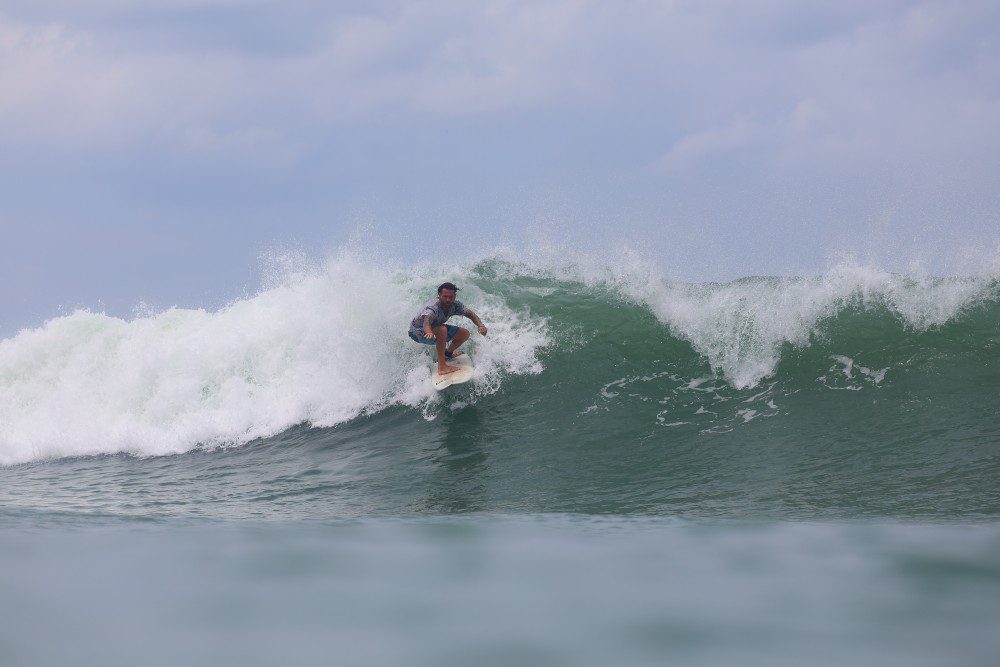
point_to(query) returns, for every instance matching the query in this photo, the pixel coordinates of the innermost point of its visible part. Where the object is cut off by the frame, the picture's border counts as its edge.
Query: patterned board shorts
(419, 335)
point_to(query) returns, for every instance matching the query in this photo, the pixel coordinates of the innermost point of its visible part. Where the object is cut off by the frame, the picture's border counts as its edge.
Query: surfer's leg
(441, 335)
(460, 337)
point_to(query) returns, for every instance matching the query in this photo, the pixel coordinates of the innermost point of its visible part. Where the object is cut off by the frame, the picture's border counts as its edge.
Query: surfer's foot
(452, 355)
(444, 370)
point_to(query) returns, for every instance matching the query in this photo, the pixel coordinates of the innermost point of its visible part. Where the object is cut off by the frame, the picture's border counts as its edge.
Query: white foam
(740, 327)
(321, 344)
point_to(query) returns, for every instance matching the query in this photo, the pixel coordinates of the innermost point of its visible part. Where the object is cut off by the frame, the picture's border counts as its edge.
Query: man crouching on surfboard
(429, 327)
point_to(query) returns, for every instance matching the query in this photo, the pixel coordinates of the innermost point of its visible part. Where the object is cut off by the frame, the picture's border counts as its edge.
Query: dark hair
(450, 286)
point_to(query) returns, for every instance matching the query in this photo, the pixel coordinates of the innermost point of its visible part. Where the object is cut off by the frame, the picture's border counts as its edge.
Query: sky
(152, 152)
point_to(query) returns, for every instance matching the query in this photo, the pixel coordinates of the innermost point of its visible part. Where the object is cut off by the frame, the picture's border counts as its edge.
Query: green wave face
(866, 414)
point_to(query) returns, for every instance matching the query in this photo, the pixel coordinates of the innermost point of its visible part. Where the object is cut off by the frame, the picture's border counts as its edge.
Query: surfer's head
(446, 292)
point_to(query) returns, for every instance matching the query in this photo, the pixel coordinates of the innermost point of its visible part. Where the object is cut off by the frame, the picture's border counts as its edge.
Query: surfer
(429, 327)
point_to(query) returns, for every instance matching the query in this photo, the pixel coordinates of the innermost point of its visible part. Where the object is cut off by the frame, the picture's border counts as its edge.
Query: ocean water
(643, 470)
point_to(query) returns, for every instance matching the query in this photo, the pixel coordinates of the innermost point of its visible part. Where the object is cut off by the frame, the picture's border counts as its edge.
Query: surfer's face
(446, 296)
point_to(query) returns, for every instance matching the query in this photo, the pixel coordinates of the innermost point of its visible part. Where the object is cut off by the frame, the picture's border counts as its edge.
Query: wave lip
(741, 327)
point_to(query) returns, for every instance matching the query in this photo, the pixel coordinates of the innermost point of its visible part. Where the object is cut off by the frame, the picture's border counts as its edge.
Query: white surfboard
(464, 374)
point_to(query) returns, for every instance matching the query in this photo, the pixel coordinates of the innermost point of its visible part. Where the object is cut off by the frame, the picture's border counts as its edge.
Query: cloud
(308, 88)
(42, 83)
(913, 86)
(712, 141)
(713, 70)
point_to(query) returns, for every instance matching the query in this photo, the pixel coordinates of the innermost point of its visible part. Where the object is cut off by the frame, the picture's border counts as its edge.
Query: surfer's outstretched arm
(478, 322)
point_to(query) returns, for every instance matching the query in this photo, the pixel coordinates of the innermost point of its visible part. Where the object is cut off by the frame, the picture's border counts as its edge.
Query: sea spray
(320, 345)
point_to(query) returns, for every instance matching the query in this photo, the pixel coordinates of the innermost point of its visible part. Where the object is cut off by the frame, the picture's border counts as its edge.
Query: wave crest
(325, 344)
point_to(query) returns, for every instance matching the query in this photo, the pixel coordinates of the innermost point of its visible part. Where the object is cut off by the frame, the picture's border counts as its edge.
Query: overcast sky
(151, 150)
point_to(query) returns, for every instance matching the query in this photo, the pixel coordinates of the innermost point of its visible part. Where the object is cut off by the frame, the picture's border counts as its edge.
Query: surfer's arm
(428, 332)
(478, 322)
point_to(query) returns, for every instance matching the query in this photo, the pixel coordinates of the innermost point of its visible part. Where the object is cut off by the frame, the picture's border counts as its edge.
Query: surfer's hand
(483, 329)
(430, 334)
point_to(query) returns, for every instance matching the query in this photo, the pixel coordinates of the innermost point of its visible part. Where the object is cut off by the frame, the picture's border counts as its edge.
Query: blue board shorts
(419, 335)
